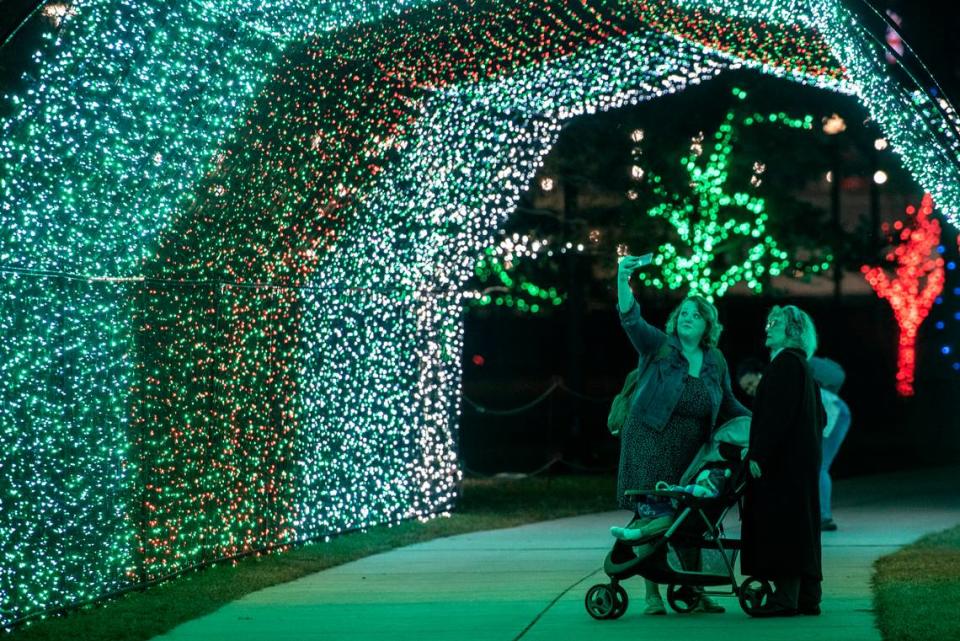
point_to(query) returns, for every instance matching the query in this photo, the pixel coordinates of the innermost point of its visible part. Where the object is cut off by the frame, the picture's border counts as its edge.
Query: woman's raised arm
(644, 336)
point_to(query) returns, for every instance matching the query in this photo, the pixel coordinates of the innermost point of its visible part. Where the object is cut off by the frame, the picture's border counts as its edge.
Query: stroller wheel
(622, 601)
(606, 601)
(754, 593)
(683, 598)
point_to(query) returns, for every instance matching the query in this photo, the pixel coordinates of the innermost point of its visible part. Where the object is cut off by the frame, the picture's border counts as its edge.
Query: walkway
(529, 582)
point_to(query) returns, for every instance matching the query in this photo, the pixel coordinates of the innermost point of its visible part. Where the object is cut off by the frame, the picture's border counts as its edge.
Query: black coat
(781, 510)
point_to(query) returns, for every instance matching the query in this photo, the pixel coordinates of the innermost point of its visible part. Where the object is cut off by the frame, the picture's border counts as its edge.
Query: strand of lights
(915, 128)
(713, 224)
(777, 11)
(745, 33)
(357, 156)
(101, 154)
(948, 313)
(918, 281)
(396, 398)
(497, 263)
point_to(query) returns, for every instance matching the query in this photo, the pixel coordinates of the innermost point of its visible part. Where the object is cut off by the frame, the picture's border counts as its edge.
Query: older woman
(781, 509)
(683, 389)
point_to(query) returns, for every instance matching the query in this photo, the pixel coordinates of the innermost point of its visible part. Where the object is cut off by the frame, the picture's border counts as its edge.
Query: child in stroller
(711, 486)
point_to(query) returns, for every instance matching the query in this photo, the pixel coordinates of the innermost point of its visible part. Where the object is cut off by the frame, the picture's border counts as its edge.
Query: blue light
(945, 349)
(951, 265)
(940, 324)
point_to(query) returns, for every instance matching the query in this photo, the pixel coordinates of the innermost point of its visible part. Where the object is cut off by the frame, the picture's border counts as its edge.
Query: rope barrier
(480, 409)
(540, 470)
(513, 475)
(556, 384)
(585, 397)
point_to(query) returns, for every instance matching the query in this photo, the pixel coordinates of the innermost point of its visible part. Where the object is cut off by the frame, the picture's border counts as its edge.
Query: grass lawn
(486, 505)
(916, 590)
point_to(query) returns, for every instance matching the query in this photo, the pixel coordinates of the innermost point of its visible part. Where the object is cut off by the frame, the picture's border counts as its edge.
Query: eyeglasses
(773, 322)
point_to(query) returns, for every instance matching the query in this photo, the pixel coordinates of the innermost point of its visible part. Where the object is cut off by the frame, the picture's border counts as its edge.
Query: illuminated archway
(235, 240)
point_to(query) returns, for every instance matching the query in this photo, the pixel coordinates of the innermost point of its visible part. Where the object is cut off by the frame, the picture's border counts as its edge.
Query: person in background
(781, 503)
(749, 373)
(830, 376)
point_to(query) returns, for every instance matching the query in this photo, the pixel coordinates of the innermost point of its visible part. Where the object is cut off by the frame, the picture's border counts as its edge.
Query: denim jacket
(662, 375)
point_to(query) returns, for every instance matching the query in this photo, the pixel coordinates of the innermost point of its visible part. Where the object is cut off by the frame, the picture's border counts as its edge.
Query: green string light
(492, 273)
(722, 234)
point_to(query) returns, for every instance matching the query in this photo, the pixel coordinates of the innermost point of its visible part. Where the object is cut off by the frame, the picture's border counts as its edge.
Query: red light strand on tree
(918, 281)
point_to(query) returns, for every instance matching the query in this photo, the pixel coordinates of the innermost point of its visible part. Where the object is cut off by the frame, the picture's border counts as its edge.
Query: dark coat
(781, 510)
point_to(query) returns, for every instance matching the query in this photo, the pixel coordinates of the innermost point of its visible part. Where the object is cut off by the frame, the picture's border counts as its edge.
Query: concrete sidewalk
(529, 582)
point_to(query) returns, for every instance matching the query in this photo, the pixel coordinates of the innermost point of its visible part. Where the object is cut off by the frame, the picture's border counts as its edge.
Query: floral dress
(650, 456)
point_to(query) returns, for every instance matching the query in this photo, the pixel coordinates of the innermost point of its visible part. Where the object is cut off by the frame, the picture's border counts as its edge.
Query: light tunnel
(235, 238)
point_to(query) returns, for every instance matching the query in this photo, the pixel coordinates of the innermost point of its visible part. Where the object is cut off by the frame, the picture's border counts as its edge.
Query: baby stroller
(698, 525)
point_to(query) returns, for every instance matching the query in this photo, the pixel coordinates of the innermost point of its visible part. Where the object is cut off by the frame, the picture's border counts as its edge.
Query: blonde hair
(798, 328)
(711, 333)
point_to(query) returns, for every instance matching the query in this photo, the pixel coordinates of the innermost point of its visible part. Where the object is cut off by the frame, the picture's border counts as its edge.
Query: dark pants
(794, 592)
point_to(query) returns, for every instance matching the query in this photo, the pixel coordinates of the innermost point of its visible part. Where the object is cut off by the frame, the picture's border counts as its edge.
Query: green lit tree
(500, 279)
(720, 233)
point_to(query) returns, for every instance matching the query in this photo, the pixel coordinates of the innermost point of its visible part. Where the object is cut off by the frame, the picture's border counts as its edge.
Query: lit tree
(722, 234)
(499, 282)
(918, 280)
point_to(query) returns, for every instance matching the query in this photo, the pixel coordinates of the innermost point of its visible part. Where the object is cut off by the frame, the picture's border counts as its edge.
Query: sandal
(709, 606)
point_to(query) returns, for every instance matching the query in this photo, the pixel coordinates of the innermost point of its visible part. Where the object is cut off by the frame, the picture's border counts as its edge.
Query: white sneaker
(654, 605)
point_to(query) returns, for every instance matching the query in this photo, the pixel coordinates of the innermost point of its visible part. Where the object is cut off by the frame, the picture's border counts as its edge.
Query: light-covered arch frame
(235, 236)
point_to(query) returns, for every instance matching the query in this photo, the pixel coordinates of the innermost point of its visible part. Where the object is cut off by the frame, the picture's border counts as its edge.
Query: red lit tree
(918, 280)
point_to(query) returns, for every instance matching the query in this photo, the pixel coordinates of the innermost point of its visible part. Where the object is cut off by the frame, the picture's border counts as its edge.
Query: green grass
(485, 505)
(916, 590)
